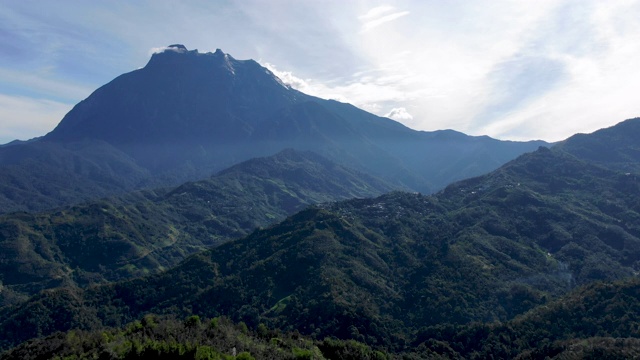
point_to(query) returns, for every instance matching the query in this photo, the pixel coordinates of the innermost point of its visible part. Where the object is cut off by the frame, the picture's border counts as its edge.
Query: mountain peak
(174, 48)
(181, 49)
(176, 54)
(180, 98)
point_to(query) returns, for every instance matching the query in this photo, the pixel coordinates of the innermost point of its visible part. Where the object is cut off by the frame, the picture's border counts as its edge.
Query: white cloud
(365, 91)
(376, 12)
(287, 77)
(511, 70)
(380, 15)
(24, 118)
(400, 114)
(158, 50)
(599, 80)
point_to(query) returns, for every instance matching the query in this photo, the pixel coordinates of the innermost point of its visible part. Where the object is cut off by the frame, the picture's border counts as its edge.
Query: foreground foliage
(597, 321)
(156, 337)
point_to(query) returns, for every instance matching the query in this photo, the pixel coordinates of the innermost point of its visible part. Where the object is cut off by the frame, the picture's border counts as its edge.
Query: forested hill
(571, 327)
(378, 270)
(615, 148)
(596, 321)
(145, 232)
(168, 338)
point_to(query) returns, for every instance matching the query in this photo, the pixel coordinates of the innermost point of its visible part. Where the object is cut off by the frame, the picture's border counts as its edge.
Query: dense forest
(572, 327)
(156, 337)
(148, 231)
(476, 269)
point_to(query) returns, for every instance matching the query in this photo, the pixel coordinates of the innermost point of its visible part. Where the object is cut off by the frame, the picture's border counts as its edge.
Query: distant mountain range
(398, 270)
(187, 115)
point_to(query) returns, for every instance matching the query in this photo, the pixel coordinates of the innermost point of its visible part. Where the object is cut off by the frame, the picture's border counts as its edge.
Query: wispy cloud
(517, 82)
(376, 94)
(380, 15)
(161, 49)
(288, 78)
(376, 12)
(24, 118)
(40, 84)
(579, 74)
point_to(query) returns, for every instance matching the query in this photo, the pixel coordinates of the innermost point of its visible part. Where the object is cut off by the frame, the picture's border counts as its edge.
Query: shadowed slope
(149, 231)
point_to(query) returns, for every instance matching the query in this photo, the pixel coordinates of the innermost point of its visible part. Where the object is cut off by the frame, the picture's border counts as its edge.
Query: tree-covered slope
(148, 231)
(596, 321)
(615, 148)
(193, 338)
(36, 175)
(379, 270)
(584, 216)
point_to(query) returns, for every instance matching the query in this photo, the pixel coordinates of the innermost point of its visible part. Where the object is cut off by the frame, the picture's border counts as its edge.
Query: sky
(513, 70)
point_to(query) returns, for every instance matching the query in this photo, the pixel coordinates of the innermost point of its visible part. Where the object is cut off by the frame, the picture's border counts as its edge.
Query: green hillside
(380, 270)
(597, 321)
(615, 148)
(193, 338)
(148, 231)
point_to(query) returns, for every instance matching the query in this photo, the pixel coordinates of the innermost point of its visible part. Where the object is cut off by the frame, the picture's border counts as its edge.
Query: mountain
(39, 175)
(615, 148)
(187, 115)
(381, 270)
(148, 231)
(183, 105)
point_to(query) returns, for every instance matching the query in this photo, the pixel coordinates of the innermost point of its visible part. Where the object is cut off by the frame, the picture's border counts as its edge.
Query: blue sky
(508, 69)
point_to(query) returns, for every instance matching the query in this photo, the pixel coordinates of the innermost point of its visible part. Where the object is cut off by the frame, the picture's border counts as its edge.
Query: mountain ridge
(379, 269)
(187, 115)
(148, 231)
(614, 148)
